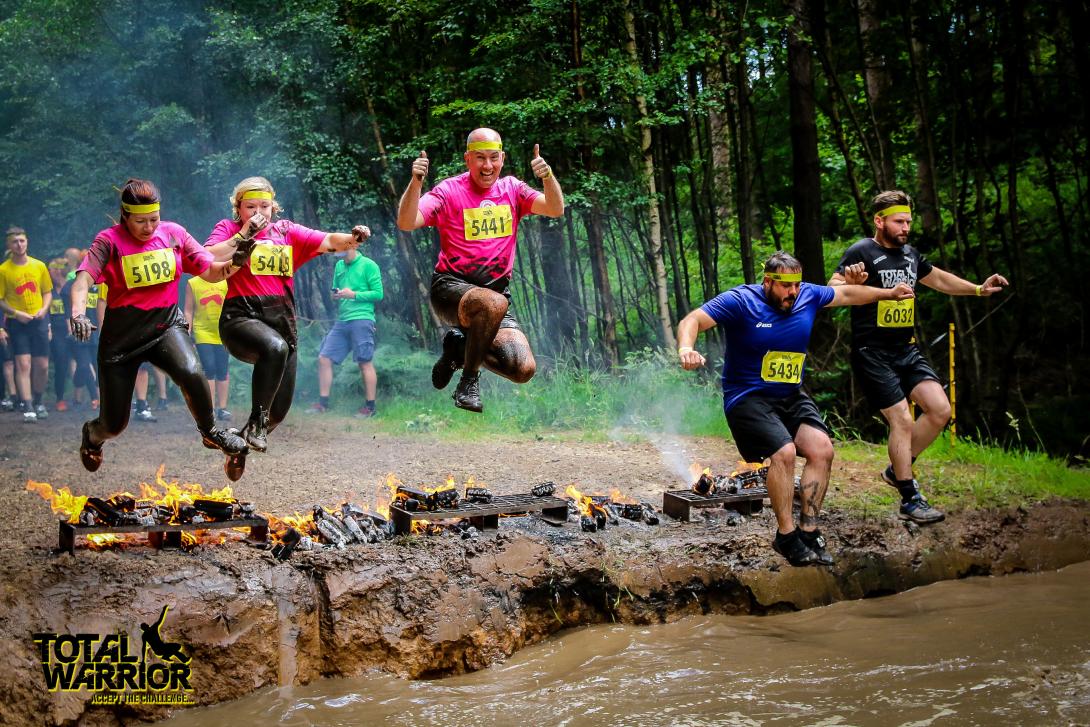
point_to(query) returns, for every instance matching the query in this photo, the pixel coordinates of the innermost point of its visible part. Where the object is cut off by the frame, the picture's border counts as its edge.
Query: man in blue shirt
(768, 330)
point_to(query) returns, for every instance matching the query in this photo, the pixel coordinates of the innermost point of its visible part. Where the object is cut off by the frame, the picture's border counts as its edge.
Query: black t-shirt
(885, 323)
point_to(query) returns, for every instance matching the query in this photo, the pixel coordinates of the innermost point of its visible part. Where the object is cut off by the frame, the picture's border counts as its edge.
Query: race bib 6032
(487, 223)
(271, 260)
(142, 269)
(782, 367)
(896, 313)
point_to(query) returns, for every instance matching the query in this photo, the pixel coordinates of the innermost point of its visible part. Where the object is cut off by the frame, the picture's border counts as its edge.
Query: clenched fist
(420, 166)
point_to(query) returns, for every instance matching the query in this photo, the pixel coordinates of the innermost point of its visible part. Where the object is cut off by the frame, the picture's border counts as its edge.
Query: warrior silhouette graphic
(152, 640)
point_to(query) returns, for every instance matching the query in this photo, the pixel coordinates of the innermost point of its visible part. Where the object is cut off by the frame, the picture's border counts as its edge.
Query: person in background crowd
(357, 286)
(7, 379)
(140, 259)
(60, 339)
(203, 303)
(141, 407)
(26, 292)
(257, 323)
(84, 375)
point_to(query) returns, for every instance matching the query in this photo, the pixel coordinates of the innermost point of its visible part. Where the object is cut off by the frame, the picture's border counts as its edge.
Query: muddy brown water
(980, 651)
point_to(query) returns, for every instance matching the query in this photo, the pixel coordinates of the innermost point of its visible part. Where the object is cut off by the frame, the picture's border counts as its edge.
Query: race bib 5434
(782, 367)
(271, 260)
(896, 313)
(487, 223)
(142, 269)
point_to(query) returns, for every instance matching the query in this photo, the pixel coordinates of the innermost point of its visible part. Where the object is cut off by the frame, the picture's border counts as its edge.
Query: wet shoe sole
(797, 563)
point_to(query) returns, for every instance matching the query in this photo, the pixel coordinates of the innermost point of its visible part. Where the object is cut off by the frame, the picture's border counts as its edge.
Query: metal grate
(678, 503)
(483, 514)
(160, 535)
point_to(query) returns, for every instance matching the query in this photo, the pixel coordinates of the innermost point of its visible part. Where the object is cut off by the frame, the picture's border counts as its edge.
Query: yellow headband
(785, 277)
(140, 209)
(895, 210)
(484, 146)
(257, 194)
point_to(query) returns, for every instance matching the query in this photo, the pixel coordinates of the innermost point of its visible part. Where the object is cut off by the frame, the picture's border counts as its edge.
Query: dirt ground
(327, 459)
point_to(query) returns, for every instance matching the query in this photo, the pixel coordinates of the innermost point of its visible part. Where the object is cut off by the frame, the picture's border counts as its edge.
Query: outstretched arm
(845, 294)
(552, 204)
(696, 322)
(341, 241)
(951, 284)
(408, 210)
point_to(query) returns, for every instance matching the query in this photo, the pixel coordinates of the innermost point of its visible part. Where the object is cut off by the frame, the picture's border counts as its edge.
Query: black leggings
(255, 342)
(84, 376)
(60, 351)
(176, 355)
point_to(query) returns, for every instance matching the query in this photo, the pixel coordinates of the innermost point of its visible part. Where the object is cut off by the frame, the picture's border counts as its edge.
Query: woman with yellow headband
(140, 260)
(257, 323)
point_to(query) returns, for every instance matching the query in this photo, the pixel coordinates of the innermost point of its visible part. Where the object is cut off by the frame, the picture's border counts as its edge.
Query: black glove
(242, 251)
(82, 327)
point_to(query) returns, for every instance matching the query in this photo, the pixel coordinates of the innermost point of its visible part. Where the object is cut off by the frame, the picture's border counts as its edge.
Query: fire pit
(743, 491)
(481, 514)
(168, 534)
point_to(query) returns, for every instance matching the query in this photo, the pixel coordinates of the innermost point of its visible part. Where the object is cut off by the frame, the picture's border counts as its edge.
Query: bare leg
(370, 380)
(900, 439)
(39, 374)
(511, 356)
(480, 312)
(781, 480)
(325, 376)
(222, 389)
(814, 445)
(931, 398)
(22, 376)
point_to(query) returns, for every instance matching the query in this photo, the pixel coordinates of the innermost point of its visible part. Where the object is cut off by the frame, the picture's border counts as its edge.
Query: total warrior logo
(890, 278)
(104, 664)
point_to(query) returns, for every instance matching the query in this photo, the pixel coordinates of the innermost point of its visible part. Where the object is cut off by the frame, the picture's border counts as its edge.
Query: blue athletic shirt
(766, 349)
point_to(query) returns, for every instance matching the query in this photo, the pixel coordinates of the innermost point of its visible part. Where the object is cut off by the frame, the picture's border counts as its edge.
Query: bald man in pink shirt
(477, 214)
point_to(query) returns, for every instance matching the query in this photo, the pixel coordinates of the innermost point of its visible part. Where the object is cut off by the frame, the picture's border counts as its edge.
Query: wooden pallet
(483, 514)
(678, 503)
(160, 535)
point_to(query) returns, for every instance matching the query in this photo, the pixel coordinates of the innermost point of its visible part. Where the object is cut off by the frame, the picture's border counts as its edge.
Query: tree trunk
(877, 83)
(806, 170)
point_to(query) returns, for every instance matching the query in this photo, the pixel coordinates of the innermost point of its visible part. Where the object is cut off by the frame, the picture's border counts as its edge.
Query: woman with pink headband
(140, 260)
(257, 323)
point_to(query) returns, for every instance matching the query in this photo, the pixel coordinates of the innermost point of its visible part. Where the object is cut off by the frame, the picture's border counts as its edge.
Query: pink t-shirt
(144, 274)
(305, 245)
(477, 227)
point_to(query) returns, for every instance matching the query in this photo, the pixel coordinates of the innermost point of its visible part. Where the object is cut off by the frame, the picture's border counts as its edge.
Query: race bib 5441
(782, 367)
(896, 313)
(271, 260)
(142, 269)
(487, 223)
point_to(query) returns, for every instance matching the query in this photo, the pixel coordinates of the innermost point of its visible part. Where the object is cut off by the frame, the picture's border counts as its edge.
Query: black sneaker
(234, 466)
(919, 510)
(225, 440)
(256, 433)
(89, 454)
(452, 358)
(815, 541)
(144, 415)
(467, 395)
(792, 547)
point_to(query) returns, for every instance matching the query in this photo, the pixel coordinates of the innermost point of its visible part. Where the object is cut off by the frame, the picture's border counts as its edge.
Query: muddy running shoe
(317, 408)
(467, 395)
(792, 547)
(225, 440)
(144, 415)
(919, 510)
(815, 541)
(41, 411)
(365, 412)
(29, 416)
(222, 415)
(89, 454)
(454, 355)
(6, 404)
(256, 433)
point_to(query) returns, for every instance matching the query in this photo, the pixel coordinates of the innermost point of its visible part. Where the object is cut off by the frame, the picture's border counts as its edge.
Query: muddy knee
(482, 306)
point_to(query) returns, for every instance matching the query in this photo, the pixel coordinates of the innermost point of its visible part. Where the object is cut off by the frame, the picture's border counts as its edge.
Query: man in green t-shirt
(357, 286)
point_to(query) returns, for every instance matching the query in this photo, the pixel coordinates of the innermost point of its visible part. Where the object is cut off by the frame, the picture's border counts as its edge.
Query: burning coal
(597, 511)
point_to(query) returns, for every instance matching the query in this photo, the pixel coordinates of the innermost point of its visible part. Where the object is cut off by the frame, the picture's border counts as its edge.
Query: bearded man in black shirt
(885, 358)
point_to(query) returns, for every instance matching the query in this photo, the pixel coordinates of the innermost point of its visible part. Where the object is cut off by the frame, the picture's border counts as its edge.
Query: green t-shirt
(361, 276)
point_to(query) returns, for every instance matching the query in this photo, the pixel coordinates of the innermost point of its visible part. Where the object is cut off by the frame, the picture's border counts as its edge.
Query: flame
(744, 467)
(62, 501)
(620, 498)
(583, 502)
(101, 541)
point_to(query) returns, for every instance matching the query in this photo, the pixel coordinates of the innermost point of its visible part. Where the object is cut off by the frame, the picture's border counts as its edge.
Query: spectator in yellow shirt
(203, 303)
(25, 294)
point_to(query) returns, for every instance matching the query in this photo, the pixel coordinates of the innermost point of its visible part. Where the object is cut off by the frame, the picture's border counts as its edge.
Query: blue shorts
(356, 336)
(213, 360)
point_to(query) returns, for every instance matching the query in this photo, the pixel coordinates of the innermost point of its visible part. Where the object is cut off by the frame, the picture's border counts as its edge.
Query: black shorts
(31, 337)
(447, 291)
(761, 425)
(214, 360)
(887, 374)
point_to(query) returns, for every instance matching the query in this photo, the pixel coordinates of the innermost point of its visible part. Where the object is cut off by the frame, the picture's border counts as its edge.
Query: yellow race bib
(896, 313)
(782, 367)
(56, 307)
(487, 223)
(142, 269)
(269, 259)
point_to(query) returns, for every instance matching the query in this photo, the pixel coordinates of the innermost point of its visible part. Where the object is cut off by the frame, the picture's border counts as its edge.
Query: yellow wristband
(684, 350)
(978, 290)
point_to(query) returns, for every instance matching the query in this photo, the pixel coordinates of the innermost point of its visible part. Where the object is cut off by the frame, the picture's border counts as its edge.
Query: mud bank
(432, 606)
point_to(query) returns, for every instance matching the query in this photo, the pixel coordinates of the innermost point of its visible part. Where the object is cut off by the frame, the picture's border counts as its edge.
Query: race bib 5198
(142, 269)
(782, 367)
(487, 223)
(271, 260)
(896, 313)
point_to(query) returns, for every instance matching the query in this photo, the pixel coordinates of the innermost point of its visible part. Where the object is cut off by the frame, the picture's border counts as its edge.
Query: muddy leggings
(60, 354)
(84, 376)
(176, 355)
(255, 342)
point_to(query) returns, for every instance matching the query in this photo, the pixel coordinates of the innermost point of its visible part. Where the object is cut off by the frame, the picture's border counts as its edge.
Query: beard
(891, 239)
(783, 304)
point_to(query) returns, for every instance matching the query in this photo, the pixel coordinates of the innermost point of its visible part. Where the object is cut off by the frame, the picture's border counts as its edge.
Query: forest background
(692, 139)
